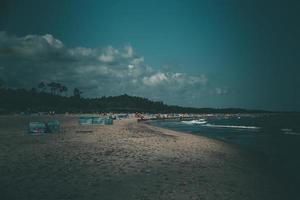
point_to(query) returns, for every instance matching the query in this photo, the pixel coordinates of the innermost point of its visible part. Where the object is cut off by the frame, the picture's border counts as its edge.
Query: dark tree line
(56, 89)
(48, 97)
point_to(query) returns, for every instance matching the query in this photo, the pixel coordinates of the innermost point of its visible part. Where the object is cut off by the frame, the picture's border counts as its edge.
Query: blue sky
(217, 53)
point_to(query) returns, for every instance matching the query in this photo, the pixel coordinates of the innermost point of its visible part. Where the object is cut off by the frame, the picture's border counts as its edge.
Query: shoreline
(127, 160)
(260, 160)
(235, 146)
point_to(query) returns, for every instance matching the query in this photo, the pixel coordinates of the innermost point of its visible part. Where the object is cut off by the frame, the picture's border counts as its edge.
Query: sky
(210, 53)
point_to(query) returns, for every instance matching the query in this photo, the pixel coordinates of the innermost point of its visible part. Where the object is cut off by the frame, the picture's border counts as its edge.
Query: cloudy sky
(213, 53)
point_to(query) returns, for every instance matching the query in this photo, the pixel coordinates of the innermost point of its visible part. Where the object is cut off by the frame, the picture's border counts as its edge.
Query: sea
(276, 137)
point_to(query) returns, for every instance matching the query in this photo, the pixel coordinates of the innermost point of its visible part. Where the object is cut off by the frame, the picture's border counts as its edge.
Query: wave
(200, 121)
(288, 131)
(231, 126)
(291, 133)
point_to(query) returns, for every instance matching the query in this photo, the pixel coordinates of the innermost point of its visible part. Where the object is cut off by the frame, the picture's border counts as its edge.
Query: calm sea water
(276, 136)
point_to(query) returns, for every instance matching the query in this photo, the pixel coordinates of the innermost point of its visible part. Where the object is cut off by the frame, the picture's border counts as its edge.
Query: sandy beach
(127, 160)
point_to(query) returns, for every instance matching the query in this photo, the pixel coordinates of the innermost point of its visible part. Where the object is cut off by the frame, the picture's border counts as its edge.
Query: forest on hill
(49, 97)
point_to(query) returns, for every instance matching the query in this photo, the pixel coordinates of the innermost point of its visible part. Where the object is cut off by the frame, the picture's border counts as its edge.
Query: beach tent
(85, 120)
(99, 120)
(37, 128)
(108, 121)
(95, 120)
(53, 126)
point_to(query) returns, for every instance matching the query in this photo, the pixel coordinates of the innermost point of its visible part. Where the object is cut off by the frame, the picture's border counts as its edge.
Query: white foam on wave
(288, 131)
(200, 121)
(291, 133)
(231, 126)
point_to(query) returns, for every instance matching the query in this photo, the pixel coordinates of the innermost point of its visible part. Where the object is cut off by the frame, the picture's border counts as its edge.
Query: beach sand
(127, 160)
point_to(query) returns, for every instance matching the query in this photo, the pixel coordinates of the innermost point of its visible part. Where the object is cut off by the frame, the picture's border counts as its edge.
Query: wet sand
(127, 160)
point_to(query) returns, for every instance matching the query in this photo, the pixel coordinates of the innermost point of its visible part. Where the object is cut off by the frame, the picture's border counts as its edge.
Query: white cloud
(25, 61)
(130, 66)
(52, 41)
(155, 79)
(221, 91)
(128, 52)
(109, 55)
(137, 61)
(81, 52)
(106, 58)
